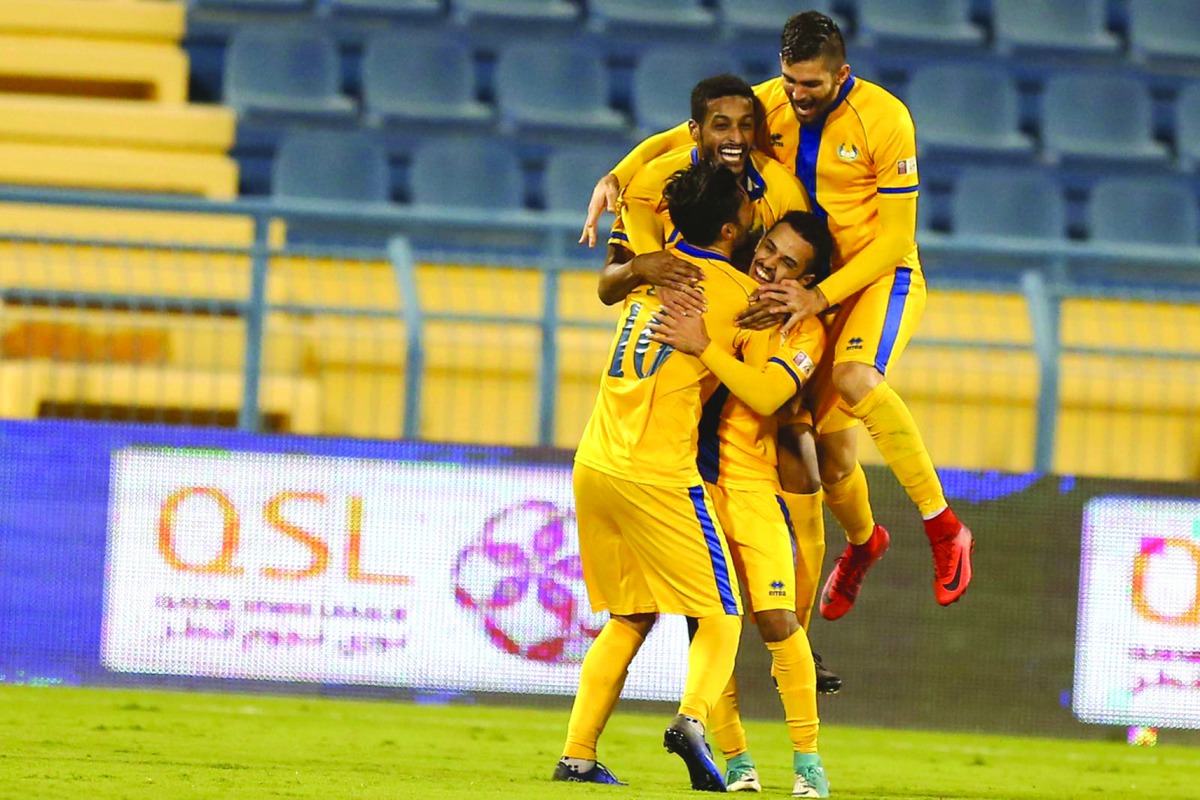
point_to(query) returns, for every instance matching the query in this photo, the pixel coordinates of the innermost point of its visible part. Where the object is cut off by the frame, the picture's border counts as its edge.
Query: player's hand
(681, 330)
(799, 302)
(661, 268)
(761, 314)
(604, 198)
(685, 301)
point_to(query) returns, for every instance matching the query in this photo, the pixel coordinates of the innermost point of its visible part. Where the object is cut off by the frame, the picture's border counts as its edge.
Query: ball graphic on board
(523, 580)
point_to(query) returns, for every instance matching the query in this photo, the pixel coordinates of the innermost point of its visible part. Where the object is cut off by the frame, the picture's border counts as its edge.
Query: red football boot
(952, 543)
(841, 590)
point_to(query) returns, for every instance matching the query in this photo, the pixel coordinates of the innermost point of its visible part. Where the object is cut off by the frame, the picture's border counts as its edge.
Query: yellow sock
(725, 723)
(796, 678)
(710, 664)
(850, 502)
(808, 522)
(895, 434)
(600, 681)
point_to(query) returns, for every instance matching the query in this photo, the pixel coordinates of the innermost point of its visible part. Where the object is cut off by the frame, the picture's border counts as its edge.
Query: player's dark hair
(701, 199)
(811, 35)
(813, 230)
(714, 88)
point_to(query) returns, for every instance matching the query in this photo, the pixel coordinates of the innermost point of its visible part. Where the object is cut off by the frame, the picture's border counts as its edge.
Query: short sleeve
(895, 155)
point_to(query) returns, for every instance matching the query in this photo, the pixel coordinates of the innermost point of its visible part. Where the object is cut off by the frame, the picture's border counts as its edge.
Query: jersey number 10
(640, 349)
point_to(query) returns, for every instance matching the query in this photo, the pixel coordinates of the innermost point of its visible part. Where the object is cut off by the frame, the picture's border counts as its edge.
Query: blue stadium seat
(973, 108)
(1164, 29)
(639, 14)
(467, 172)
(766, 17)
(1080, 25)
(399, 86)
(663, 81)
(556, 11)
(1099, 117)
(285, 70)
(1007, 202)
(1143, 211)
(396, 8)
(571, 172)
(255, 5)
(930, 21)
(559, 86)
(344, 166)
(1187, 127)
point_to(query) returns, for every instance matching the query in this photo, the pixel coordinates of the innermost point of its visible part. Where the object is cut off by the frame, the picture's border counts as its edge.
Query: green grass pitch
(97, 744)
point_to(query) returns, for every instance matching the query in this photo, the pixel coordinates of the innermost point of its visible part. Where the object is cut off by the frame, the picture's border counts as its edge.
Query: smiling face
(782, 254)
(726, 133)
(812, 86)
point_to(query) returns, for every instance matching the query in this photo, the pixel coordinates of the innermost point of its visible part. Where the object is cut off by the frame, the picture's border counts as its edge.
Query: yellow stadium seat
(116, 123)
(115, 169)
(63, 66)
(161, 227)
(111, 19)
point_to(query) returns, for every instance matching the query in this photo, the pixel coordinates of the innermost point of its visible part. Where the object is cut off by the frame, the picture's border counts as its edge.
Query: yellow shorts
(759, 530)
(871, 327)
(652, 549)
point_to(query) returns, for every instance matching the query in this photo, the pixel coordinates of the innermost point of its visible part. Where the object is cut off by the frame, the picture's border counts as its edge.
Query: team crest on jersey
(847, 152)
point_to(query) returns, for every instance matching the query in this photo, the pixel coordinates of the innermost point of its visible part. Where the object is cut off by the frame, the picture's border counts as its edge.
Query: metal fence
(446, 324)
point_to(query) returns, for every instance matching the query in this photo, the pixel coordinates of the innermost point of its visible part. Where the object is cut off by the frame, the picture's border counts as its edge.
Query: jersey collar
(841, 96)
(699, 252)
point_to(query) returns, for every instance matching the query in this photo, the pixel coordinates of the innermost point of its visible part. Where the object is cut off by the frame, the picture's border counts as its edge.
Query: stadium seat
(255, 5)
(930, 21)
(467, 172)
(663, 81)
(286, 71)
(1143, 211)
(571, 172)
(399, 86)
(1164, 29)
(1080, 25)
(397, 8)
(1098, 117)
(345, 166)
(561, 87)
(126, 20)
(966, 108)
(1187, 127)
(519, 11)
(1007, 202)
(93, 68)
(635, 15)
(765, 17)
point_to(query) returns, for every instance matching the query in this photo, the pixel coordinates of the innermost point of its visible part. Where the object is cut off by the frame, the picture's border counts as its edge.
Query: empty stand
(555, 87)
(765, 17)
(636, 15)
(398, 8)
(663, 81)
(399, 85)
(967, 108)
(946, 22)
(92, 67)
(286, 71)
(1164, 29)
(1105, 117)
(1187, 127)
(126, 20)
(344, 166)
(1080, 25)
(467, 172)
(1006, 202)
(571, 172)
(518, 11)
(256, 5)
(1144, 211)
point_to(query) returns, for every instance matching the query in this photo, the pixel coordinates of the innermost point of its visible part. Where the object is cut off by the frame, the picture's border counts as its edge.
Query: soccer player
(649, 540)
(738, 463)
(854, 148)
(721, 130)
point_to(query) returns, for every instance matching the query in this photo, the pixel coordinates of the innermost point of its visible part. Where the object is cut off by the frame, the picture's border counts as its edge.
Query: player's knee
(642, 623)
(834, 470)
(777, 624)
(853, 381)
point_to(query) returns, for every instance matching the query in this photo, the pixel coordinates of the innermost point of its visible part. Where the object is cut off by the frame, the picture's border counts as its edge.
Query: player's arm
(897, 236)
(765, 390)
(624, 272)
(604, 195)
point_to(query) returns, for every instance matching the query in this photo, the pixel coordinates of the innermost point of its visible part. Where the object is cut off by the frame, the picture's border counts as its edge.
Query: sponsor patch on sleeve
(907, 166)
(804, 364)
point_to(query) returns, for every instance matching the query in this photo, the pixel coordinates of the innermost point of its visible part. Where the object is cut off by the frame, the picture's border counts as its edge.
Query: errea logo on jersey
(847, 152)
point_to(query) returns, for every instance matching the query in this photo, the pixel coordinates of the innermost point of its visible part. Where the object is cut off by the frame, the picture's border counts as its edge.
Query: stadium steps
(84, 67)
(163, 227)
(99, 19)
(118, 169)
(116, 123)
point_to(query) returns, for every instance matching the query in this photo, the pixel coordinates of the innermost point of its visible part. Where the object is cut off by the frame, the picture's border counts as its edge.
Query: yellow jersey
(737, 444)
(861, 153)
(772, 188)
(645, 422)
